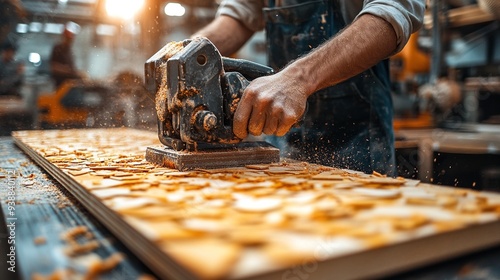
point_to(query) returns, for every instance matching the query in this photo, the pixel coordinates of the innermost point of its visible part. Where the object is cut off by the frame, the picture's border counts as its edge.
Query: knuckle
(288, 118)
(250, 92)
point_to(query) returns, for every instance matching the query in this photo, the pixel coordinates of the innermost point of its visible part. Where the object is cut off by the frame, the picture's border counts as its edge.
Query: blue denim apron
(348, 125)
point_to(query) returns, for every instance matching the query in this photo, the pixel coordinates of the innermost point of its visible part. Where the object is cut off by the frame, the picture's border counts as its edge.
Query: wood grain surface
(261, 221)
(44, 211)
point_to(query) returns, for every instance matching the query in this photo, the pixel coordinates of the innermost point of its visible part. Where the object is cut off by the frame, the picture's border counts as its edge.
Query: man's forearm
(227, 34)
(360, 46)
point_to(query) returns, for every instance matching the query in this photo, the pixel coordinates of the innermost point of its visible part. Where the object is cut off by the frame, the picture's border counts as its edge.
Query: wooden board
(263, 221)
(43, 213)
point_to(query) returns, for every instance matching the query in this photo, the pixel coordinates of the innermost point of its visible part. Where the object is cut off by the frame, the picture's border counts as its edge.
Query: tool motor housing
(196, 92)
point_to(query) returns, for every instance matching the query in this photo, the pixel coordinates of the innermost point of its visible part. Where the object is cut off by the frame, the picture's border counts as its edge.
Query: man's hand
(270, 105)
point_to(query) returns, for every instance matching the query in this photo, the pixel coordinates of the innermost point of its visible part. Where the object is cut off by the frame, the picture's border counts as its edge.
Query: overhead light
(174, 10)
(36, 26)
(124, 9)
(22, 28)
(53, 28)
(73, 27)
(35, 58)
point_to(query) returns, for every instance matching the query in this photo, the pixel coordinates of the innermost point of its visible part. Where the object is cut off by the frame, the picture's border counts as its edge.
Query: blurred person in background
(62, 65)
(11, 12)
(11, 71)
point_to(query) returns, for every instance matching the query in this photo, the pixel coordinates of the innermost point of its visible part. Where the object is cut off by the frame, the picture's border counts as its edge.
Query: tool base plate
(242, 154)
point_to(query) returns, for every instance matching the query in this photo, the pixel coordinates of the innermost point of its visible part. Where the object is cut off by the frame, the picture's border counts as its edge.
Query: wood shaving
(103, 266)
(74, 245)
(81, 248)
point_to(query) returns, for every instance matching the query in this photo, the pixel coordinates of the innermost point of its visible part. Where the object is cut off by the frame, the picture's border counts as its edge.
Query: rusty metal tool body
(196, 92)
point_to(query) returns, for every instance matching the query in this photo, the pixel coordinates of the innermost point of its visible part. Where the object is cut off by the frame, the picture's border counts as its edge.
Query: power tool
(196, 92)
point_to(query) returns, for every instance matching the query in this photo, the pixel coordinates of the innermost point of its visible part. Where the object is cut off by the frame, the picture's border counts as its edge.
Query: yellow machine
(412, 61)
(406, 67)
(71, 103)
(120, 101)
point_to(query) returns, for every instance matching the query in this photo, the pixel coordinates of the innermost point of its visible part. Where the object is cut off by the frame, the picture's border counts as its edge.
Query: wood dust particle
(40, 240)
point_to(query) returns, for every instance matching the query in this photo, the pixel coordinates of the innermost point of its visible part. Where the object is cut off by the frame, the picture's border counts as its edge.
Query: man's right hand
(271, 105)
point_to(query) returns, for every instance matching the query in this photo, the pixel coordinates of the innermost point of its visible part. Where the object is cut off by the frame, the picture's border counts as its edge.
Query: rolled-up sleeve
(405, 16)
(248, 12)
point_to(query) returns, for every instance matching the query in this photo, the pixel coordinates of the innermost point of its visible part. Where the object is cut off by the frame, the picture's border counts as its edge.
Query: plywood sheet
(259, 221)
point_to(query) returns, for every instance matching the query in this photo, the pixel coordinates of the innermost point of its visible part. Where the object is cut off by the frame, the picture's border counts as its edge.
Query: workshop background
(446, 81)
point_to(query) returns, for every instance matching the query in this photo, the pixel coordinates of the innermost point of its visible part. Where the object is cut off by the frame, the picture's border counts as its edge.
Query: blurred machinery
(72, 104)
(460, 93)
(441, 75)
(440, 97)
(409, 70)
(121, 102)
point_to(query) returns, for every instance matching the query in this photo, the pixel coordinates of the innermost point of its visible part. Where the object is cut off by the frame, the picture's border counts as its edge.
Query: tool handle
(251, 70)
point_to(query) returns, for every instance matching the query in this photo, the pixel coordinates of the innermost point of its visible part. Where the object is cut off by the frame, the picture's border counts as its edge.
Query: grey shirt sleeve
(249, 12)
(405, 16)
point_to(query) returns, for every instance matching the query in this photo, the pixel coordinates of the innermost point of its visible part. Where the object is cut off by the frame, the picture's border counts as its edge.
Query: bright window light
(125, 9)
(174, 10)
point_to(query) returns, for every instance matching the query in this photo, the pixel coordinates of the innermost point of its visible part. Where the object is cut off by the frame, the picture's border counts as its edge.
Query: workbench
(44, 211)
(15, 114)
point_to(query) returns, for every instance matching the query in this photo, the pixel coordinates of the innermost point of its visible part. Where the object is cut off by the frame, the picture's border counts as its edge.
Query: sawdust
(74, 245)
(188, 92)
(234, 104)
(39, 240)
(105, 265)
(171, 49)
(94, 269)
(161, 95)
(36, 187)
(80, 242)
(58, 274)
(168, 51)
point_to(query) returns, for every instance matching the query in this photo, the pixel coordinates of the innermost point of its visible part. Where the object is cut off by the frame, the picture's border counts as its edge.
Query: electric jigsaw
(196, 93)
